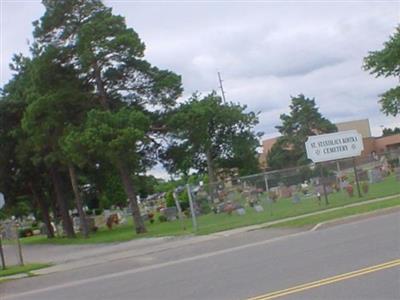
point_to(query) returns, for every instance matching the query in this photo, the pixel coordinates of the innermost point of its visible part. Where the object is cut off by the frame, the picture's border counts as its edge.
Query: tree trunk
(53, 205)
(62, 203)
(44, 209)
(211, 179)
(100, 88)
(123, 170)
(130, 192)
(78, 200)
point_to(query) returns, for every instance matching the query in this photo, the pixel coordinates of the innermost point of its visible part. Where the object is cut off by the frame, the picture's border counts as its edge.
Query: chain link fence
(284, 193)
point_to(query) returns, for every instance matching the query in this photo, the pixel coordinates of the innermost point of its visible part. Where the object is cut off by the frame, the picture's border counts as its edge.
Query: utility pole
(221, 87)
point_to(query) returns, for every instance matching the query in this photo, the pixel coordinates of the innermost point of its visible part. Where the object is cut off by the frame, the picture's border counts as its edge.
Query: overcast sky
(266, 51)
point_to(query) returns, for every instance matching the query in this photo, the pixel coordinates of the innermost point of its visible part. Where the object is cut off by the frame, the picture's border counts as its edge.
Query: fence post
(194, 221)
(266, 184)
(339, 171)
(356, 177)
(323, 184)
(178, 206)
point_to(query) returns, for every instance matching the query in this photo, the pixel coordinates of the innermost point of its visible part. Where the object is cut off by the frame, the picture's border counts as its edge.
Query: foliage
(162, 218)
(390, 131)
(303, 120)
(169, 199)
(111, 135)
(283, 208)
(223, 136)
(108, 56)
(386, 63)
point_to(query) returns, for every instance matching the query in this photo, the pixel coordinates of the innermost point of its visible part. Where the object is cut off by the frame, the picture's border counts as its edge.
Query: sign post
(356, 177)
(324, 184)
(334, 146)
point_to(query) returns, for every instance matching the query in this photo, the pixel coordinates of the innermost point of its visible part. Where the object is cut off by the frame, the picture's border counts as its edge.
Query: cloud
(265, 51)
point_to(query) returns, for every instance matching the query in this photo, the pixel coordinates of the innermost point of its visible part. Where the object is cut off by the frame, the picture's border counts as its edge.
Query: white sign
(331, 146)
(2, 202)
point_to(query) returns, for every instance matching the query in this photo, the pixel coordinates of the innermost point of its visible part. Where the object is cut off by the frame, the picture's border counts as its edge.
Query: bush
(26, 232)
(365, 187)
(169, 199)
(98, 211)
(162, 218)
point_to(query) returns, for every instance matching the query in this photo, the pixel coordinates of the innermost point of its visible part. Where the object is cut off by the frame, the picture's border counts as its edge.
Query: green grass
(341, 213)
(210, 223)
(13, 270)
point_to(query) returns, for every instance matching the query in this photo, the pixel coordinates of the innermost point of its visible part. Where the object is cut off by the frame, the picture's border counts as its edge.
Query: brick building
(371, 144)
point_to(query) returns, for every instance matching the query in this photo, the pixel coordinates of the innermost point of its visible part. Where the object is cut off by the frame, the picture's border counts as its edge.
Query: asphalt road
(243, 266)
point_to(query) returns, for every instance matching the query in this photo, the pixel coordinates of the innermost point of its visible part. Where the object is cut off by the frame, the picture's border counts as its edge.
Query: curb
(356, 217)
(190, 240)
(15, 276)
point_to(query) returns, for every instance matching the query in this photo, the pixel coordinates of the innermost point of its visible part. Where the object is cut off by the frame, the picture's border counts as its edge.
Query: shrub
(26, 232)
(365, 187)
(162, 218)
(169, 199)
(98, 211)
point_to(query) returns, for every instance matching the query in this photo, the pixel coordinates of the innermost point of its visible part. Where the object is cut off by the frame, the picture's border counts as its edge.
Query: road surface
(359, 260)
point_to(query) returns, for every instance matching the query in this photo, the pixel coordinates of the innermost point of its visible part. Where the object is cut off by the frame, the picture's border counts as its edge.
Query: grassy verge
(13, 270)
(210, 223)
(341, 213)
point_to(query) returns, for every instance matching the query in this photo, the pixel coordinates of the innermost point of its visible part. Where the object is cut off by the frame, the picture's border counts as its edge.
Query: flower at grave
(350, 190)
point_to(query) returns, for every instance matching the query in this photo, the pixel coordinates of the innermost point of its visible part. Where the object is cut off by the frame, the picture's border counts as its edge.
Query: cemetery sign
(332, 146)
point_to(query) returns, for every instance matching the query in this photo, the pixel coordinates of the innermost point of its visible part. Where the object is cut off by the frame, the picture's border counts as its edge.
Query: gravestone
(258, 208)
(296, 198)
(91, 224)
(76, 221)
(145, 217)
(397, 172)
(170, 213)
(375, 175)
(285, 192)
(8, 231)
(362, 175)
(320, 189)
(99, 221)
(240, 211)
(106, 213)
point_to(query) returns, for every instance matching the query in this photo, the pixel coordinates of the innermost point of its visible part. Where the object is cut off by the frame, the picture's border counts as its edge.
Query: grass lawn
(327, 216)
(210, 223)
(12, 270)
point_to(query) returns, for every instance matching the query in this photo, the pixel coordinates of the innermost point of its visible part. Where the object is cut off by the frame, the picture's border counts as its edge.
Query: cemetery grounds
(263, 198)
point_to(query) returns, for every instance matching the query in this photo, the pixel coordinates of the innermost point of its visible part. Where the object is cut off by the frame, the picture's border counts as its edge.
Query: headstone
(258, 208)
(343, 184)
(2, 201)
(375, 175)
(107, 213)
(362, 175)
(145, 217)
(7, 231)
(296, 198)
(285, 192)
(99, 221)
(328, 189)
(170, 213)
(76, 221)
(241, 211)
(397, 172)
